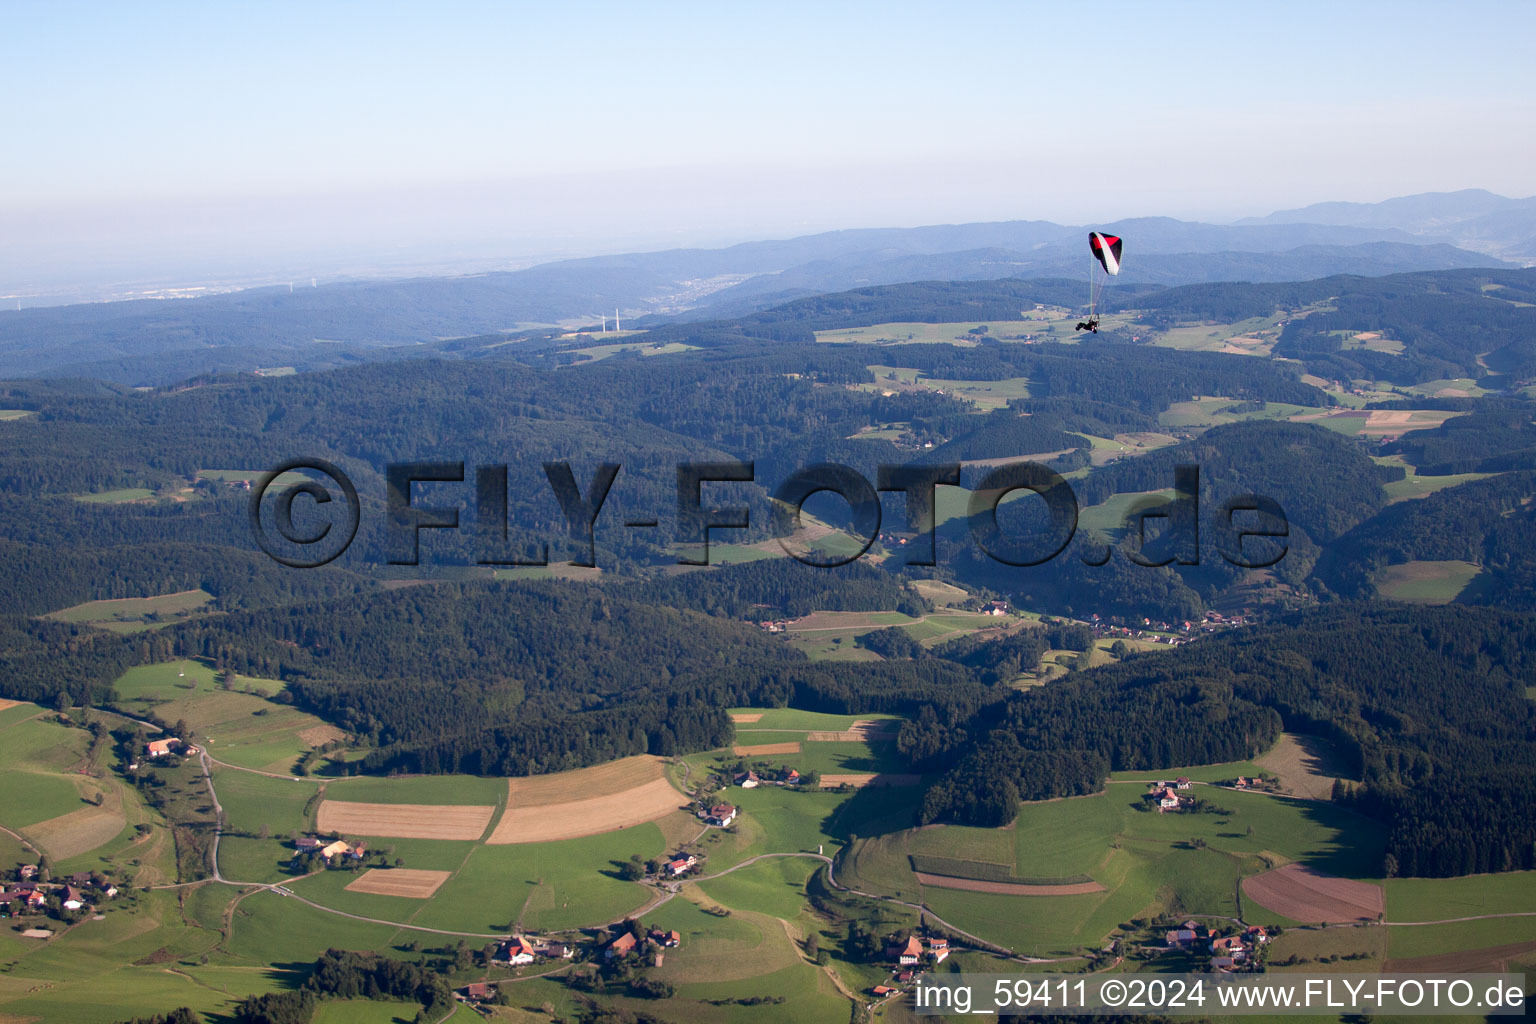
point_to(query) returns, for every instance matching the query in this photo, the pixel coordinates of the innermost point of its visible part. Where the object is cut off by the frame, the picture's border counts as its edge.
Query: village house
(517, 951)
(621, 946)
(748, 780)
(791, 777)
(478, 992)
(1179, 937)
(721, 815)
(161, 748)
(909, 952)
(671, 940)
(938, 949)
(330, 849)
(1182, 782)
(27, 871)
(556, 951)
(882, 990)
(681, 864)
(1167, 799)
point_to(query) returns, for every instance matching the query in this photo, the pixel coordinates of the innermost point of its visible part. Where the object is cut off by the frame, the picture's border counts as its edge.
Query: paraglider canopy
(1105, 249)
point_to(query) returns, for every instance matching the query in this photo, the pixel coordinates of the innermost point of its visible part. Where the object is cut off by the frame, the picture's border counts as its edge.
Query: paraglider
(1105, 249)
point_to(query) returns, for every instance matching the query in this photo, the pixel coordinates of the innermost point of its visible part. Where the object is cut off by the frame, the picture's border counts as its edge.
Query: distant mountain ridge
(1472, 218)
(144, 341)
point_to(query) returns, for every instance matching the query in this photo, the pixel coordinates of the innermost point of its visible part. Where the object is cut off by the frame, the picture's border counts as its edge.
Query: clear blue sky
(570, 123)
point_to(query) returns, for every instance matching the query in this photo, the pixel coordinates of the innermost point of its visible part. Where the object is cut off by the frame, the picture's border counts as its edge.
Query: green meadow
(1147, 862)
(127, 615)
(1425, 582)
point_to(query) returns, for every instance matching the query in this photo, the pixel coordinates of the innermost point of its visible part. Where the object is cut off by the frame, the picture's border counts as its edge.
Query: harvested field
(412, 883)
(767, 748)
(404, 821)
(584, 783)
(880, 779)
(76, 832)
(846, 620)
(7, 704)
(1492, 960)
(1306, 765)
(319, 735)
(1007, 888)
(542, 823)
(739, 717)
(1302, 894)
(862, 731)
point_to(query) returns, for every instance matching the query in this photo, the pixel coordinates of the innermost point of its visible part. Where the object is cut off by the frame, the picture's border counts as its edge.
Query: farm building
(621, 946)
(670, 939)
(478, 992)
(517, 951)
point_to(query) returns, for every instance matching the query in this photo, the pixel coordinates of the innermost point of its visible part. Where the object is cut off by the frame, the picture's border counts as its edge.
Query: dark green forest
(459, 672)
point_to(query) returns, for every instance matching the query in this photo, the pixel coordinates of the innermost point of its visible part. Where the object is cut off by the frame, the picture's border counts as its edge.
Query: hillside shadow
(1358, 845)
(873, 811)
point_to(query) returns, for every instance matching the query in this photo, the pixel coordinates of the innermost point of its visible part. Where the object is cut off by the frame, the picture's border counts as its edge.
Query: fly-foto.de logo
(1249, 529)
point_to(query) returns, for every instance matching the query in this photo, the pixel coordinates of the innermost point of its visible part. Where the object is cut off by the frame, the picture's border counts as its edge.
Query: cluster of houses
(773, 625)
(627, 943)
(1227, 952)
(912, 956)
(782, 777)
(1174, 634)
(29, 896)
(515, 952)
(719, 815)
(332, 850)
(1166, 794)
(520, 950)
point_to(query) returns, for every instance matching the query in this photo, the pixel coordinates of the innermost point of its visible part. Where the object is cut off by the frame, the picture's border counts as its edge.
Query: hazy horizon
(170, 145)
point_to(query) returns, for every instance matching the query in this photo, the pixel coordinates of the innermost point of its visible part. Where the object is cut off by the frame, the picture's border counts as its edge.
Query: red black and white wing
(1106, 249)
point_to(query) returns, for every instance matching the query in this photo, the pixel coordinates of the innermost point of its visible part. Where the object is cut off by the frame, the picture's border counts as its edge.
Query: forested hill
(1457, 323)
(1429, 702)
(1322, 479)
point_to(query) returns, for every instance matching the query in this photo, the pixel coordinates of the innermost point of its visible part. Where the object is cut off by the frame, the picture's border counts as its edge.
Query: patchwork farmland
(589, 801)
